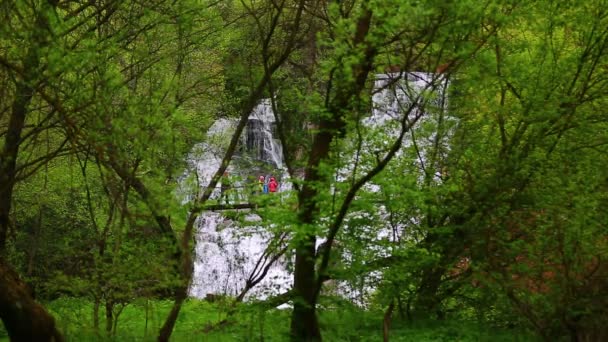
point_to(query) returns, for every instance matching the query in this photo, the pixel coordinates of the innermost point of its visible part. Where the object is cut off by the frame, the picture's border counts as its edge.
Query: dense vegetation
(495, 199)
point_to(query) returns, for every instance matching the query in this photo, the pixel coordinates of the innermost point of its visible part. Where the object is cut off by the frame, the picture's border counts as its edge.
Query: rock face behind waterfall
(227, 251)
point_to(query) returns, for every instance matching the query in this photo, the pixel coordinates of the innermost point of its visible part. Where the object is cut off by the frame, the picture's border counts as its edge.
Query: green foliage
(491, 214)
(140, 320)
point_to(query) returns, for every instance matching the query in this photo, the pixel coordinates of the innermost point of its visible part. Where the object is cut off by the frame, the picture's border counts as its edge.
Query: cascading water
(226, 252)
(420, 99)
(260, 139)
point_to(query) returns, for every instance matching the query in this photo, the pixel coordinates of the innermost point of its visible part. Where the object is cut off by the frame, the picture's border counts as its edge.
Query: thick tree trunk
(109, 316)
(167, 328)
(24, 319)
(8, 158)
(304, 324)
(24, 92)
(386, 322)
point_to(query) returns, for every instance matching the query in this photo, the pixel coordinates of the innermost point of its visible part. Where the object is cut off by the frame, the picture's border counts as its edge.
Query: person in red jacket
(272, 185)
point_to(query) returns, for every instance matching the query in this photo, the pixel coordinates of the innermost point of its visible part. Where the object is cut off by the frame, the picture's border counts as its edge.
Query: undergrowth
(141, 320)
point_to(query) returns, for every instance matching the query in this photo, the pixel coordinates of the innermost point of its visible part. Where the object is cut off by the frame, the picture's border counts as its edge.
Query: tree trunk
(400, 307)
(31, 258)
(24, 319)
(167, 328)
(386, 322)
(8, 158)
(24, 91)
(109, 316)
(304, 324)
(96, 314)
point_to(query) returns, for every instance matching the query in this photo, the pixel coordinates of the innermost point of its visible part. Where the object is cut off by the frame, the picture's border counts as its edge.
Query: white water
(259, 135)
(225, 253)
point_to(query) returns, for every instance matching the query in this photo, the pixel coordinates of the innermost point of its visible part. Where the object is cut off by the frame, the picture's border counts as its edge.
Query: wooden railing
(237, 197)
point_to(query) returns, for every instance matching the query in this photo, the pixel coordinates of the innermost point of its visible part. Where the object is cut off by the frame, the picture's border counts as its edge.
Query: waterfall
(225, 256)
(226, 252)
(394, 95)
(260, 139)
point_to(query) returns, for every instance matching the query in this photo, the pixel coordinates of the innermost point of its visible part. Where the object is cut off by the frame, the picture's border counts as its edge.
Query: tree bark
(8, 158)
(24, 319)
(304, 323)
(109, 317)
(386, 322)
(167, 329)
(96, 305)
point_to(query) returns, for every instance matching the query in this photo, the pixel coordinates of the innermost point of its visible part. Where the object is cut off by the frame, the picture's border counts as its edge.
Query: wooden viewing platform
(239, 197)
(230, 206)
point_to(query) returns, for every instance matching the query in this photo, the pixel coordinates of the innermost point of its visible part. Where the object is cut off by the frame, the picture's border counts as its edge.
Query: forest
(303, 170)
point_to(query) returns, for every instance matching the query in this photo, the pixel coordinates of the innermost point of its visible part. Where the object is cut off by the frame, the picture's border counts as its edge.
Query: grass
(141, 320)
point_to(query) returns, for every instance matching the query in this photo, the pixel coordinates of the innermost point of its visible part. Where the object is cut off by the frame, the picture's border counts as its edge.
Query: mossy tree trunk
(24, 319)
